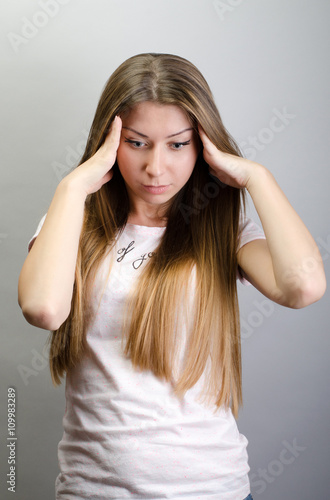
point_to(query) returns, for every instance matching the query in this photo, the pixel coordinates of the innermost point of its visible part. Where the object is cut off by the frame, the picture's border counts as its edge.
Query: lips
(156, 189)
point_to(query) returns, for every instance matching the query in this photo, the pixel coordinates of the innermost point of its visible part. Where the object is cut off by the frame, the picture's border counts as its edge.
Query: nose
(155, 162)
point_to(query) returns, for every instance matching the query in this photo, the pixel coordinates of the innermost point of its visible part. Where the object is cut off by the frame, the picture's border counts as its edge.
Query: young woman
(134, 269)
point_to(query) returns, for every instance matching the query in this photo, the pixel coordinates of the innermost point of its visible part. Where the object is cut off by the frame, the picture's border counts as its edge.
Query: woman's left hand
(229, 169)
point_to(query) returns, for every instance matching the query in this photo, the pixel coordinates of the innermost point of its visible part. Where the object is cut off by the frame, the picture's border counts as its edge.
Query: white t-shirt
(126, 435)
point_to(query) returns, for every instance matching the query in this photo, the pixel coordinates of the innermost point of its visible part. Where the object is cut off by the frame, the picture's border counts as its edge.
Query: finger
(205, 140)
(115, 129)
(201, 132)
(113, 137)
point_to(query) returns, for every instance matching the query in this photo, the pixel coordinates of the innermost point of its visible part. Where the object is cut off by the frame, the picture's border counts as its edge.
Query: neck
(146, 221)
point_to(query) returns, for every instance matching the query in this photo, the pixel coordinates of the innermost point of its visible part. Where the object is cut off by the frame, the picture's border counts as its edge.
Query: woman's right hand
(93, 173)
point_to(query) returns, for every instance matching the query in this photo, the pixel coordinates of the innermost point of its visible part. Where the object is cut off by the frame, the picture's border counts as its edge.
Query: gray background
(260, 59)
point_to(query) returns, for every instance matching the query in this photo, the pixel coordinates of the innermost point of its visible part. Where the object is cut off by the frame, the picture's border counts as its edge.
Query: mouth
(155, 189)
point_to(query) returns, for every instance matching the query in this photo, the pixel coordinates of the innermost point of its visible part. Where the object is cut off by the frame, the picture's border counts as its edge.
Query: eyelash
(130, 141)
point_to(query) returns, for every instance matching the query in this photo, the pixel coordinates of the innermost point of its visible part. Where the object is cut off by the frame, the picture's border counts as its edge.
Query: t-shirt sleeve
(30, 244)
(249, 231)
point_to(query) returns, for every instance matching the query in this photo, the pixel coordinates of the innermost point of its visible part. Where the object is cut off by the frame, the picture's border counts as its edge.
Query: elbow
(308, 293)
(43, 316)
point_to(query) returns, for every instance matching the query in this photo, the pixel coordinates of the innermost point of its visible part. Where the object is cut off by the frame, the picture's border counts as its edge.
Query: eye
(136, 144)
(179, 145)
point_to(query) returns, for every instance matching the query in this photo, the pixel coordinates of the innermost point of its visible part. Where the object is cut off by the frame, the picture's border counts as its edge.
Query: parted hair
(200, 241)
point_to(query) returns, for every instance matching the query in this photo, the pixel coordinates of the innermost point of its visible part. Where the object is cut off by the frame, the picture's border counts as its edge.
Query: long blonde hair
(201, 234)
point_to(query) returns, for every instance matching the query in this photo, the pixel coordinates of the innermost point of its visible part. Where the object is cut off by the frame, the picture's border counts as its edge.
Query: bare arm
(46, 280)
(287, 267)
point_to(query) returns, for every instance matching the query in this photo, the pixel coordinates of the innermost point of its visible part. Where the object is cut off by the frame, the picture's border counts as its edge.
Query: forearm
(46, 281)
(296, 260)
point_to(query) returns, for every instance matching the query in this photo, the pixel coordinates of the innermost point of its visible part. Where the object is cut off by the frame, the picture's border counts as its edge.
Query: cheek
(120, 155)
(190, 163)
(123, 161)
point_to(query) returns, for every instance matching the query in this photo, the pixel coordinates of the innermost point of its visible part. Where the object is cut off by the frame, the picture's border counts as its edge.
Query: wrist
(69, 185)
(258, 178)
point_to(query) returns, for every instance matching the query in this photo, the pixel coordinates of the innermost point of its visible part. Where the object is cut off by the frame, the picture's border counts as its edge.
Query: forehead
(157, 116)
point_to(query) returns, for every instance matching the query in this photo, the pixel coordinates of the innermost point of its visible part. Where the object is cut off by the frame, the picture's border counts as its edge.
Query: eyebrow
(143, 135)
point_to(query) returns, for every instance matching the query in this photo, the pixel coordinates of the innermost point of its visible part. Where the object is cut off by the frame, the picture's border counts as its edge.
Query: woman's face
(156, 156)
